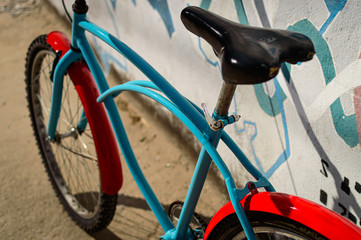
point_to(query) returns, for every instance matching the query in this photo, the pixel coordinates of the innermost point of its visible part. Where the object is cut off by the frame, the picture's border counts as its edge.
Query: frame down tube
(81, 42)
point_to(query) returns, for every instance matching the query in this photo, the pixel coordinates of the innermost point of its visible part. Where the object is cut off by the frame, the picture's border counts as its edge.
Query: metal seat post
(225, 99)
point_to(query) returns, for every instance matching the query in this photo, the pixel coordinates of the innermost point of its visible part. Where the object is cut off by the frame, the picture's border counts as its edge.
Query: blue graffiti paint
(242, 18)
(334, 7)
(106, 58)
(345, 126)
(215, 63)
(113, 2)
(163, 10)
(287, 152)
(241, 13)
(253, 137)
(112, 16)
(268, 104)
(322, 49)
(205, 4)
(273, 106)
(162, 7)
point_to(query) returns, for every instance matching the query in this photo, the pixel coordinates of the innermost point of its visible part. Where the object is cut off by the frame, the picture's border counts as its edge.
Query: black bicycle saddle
(248, 55)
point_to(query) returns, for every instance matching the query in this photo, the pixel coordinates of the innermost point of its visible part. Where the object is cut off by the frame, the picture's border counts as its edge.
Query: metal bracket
(252, 187)
(217, 122)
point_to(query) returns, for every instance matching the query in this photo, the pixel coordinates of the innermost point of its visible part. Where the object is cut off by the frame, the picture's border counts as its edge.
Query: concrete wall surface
(301, 129)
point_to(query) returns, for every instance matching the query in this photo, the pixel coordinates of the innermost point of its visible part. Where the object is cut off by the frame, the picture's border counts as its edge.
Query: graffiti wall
(303, 128)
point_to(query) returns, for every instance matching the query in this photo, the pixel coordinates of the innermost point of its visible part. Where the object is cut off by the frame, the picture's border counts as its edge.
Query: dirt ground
(29, 208)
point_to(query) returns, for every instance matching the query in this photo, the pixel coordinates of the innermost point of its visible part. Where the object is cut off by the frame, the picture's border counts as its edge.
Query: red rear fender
(318, 218)
(104, 139)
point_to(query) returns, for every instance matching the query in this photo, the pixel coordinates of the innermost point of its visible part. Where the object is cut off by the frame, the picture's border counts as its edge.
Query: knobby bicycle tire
(265, 226)
(70, 160)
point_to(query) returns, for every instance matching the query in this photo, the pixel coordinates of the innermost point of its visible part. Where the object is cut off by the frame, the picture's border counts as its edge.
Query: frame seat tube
(195, 188)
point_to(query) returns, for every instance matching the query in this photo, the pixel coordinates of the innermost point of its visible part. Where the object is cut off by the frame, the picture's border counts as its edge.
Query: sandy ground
(29, 208)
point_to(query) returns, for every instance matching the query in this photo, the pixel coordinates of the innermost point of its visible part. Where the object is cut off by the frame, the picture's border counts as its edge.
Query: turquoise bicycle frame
(187, 112)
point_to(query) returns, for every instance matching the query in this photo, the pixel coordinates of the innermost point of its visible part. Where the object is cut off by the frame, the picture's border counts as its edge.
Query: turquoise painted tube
(150, 72)
(57, 90)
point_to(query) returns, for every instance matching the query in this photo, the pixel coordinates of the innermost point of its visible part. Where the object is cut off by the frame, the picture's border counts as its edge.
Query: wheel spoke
(83, 155)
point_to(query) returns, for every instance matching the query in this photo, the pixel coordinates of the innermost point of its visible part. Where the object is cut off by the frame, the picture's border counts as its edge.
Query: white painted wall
(308, 143)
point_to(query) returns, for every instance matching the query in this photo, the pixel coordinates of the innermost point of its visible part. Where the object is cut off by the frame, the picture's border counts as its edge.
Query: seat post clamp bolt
(216, 125)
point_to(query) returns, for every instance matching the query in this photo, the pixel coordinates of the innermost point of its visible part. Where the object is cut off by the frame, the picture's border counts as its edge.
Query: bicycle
(75, 119)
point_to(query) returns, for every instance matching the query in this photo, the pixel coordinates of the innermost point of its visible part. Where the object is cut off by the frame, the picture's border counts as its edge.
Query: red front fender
(310, 214)
(106, 147)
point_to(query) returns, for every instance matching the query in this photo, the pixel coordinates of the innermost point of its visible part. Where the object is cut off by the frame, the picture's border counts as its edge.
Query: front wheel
(71, 160)
(265, 225)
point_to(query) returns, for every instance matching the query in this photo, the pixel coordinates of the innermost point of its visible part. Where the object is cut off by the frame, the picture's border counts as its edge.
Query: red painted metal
(59, 42)
(310, 214)
(106, 146)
